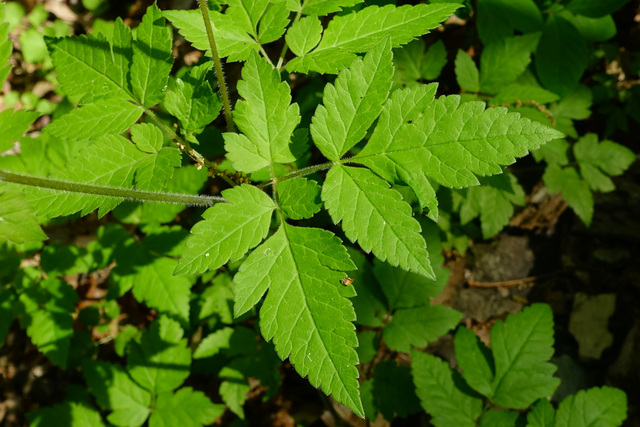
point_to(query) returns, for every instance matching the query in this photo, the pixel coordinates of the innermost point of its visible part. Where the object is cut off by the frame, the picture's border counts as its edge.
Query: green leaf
(89, 69)
(517, 93)
(363, 30)
(325, 7)
(404, 289)
(376, 217)
(110, 160)
(370, 303)
(152, 58)
(353, 103)
(186, 408)
(467, 73)
(416, 327)
(17, 222)
(192, 100)
(8, 311)
(599, 159)
(106, 117)
(595, 8)
(147, 137)
(542, 414)
(273, 23)
(228, 231)
(452, 142)
(247, 13)
(574, 191)
(499, 18)
(593, 29)
(70, 414)
(475, 360)
(442, 393)
(14, 123)
(434, 61)
(404, 107)
(393, 391)
(266, 117)
(234, 394)
(604, 406)
(47, 318)
(497, 418)
(561, 57)
(154, 284)
(115, 390)
(305, 312)
(160, 361)
(304, 35)
(521, 347)
(34, 49)
(232, 39)
(6, 47)
(493, 202)
(504, 60)
(213, 343)
(409, 60)
(299, 198)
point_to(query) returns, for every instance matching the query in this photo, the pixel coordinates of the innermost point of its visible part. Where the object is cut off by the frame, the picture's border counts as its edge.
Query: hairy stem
(222, 85)
(186, 147)
(118, 193)
(295, 174)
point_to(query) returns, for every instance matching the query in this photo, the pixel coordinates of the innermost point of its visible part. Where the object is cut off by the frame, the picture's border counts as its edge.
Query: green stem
(300, 172)
(118, 193)
(222, 86)
(185, 147)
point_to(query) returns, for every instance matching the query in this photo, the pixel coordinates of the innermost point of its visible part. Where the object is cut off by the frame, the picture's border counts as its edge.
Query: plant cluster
(327, 238)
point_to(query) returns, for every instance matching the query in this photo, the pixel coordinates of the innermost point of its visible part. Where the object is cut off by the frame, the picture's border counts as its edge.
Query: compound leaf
(160, 361)
(353, 102)
(601, 406)
(599, 159)
(475, 360)
(115, 390)
(376, 217)
(228, 231)
(362, 30)
(306, 311)
(17, 222)
(574, 190)
(105, 117)
(521, 347)
(452, 142)
(186, 408)
(493, 202)
(68, 413)
(266, 117)
(273, 23)
(442, 392)
(403, 107)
